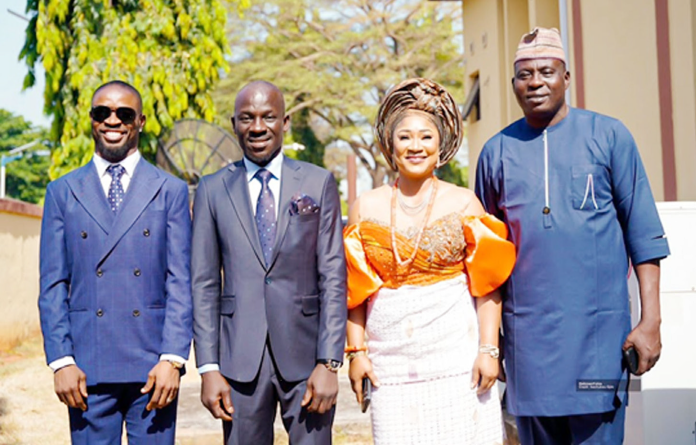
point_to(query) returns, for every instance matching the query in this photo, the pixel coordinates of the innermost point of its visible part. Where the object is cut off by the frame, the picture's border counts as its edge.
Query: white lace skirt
(423, 342)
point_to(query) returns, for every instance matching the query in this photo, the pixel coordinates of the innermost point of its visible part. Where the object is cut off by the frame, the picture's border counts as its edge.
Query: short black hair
(122, 84)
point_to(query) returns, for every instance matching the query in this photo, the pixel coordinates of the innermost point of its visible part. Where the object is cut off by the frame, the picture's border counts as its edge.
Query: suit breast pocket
(308, 218)
(590, 187)
(301, 237)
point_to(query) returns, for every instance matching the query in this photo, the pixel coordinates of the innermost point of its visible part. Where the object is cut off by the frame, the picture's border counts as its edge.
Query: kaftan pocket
(591, 187)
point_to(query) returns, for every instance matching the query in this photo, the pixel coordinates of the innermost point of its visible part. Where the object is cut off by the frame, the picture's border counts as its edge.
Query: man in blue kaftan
(571, 187)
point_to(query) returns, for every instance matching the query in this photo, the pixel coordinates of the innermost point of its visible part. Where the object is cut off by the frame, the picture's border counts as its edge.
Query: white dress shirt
(275, 167)
(105, 178)
(128, 164)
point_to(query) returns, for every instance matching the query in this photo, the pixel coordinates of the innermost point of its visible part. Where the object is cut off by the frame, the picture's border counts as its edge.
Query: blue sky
(27, 103)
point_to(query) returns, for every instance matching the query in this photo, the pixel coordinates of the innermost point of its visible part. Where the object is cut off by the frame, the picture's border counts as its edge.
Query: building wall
(620, 67)
(516, 13)
(20, 227)
(503, 22)
(483, 40)
(682, 35)
(618, 73)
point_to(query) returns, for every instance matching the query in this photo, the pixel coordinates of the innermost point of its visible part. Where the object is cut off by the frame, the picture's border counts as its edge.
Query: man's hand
(71, 386)
(322, 389)
(361, 367)
(216, 395)
(164, 377)
(645, 338)
(485, 373)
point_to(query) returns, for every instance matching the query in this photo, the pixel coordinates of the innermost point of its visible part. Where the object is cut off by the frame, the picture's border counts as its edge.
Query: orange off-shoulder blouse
(451, 246)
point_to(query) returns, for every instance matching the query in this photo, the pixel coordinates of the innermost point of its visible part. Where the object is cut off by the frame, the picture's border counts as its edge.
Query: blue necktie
(266, 215)
(116, 188)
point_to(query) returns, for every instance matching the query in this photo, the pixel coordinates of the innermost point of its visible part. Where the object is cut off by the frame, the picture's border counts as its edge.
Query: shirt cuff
(208, 368)
(62, 362)
(172, 358)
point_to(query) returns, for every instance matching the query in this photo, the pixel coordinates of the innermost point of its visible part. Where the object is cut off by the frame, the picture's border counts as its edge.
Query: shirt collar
(275, 167)
(129, 163)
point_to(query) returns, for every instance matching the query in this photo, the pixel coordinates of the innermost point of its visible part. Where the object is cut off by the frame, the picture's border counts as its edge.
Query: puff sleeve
(490, 257)
(363, 280)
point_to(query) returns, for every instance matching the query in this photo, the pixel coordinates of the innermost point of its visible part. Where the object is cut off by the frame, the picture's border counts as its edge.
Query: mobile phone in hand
(366, 393)
(631, 359)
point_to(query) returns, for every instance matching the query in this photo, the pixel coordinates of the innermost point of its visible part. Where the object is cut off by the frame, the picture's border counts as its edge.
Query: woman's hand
(361, 367)
(485, 373)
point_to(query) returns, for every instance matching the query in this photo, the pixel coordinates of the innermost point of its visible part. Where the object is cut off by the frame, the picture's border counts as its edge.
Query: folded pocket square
(302, 204)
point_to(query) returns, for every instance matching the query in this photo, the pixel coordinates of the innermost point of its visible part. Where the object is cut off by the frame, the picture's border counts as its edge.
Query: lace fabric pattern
(440, 257)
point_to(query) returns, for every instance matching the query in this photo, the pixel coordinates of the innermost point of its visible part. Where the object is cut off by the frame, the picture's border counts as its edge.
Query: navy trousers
(110, 406)
(255, 405)
(596, 429)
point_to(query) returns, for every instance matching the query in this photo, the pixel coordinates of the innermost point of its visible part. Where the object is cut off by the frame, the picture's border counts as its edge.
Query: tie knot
(264, 176)
(116, 171)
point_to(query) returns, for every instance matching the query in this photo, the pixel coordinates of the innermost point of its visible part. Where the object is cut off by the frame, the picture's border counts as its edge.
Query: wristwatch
(491, 350)
(176, 365)
(331, 365)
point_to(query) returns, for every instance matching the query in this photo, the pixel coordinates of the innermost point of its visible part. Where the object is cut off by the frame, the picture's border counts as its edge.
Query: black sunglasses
(124, 114)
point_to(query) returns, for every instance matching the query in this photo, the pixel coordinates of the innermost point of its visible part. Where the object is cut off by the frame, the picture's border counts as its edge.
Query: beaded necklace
(412, 210)
(431, 202)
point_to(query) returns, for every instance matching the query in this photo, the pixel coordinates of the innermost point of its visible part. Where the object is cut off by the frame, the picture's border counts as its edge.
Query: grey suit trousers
(255, 405)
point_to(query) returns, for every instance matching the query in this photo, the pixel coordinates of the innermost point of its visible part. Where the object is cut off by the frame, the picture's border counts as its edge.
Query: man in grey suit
(269, 277)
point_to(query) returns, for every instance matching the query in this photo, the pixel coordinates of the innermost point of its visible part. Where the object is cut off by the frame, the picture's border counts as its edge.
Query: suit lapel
(290, 182)
(238, 191)
(88, 190)
(143, 187)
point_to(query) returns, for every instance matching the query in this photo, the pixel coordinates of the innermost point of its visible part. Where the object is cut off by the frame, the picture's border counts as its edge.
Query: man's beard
(113, 155)
(262, 161)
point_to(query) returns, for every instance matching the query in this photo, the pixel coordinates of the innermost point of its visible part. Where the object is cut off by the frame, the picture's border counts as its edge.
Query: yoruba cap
(541, 43)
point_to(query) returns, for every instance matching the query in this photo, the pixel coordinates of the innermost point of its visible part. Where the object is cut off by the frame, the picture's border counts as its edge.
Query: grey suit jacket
(298, 302)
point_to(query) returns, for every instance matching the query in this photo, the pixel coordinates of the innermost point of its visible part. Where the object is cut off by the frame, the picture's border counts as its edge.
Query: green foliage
(303, 133)
(335, 60)
(27, 177)
(172, 51)
(454, 173)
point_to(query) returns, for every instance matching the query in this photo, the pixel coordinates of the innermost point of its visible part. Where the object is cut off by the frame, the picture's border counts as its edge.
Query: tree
(336, 59)
(454, 173)
(172, 51)
(303, 133)
(26, 177)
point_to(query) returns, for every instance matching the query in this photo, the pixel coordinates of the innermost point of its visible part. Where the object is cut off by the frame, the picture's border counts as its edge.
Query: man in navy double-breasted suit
(115, 300)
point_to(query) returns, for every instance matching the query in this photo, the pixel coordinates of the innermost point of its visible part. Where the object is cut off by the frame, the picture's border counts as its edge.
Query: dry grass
(340, 437)
(31, 414)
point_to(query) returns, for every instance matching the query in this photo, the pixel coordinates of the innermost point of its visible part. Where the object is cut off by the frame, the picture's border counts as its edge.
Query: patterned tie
(265, 215)
(116, 189)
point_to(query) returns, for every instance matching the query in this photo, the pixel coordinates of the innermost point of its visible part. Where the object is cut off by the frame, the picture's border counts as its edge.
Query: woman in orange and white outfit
(417, 251)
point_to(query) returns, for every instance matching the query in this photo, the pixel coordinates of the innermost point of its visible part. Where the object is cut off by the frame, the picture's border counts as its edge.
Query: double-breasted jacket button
(136, 272)
(100, 312)
(268, 281)
(146, 232)
(99, 272)
(83, 234)
(136, 313)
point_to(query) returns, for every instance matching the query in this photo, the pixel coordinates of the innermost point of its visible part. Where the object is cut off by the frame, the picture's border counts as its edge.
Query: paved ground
(30, 413)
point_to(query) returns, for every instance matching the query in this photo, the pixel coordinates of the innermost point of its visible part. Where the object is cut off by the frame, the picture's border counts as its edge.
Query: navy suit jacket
(298, 302)
(115, 287)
